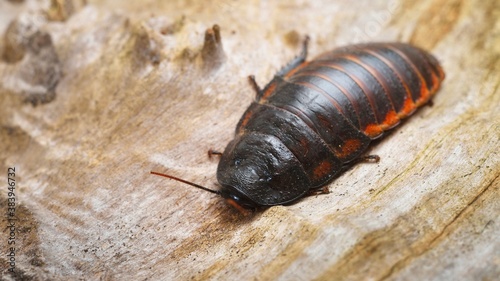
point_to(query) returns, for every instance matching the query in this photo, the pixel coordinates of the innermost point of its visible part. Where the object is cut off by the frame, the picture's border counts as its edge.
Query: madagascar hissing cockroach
(316, 118)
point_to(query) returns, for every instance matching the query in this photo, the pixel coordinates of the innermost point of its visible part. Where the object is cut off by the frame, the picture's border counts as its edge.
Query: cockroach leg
(319, 191)
(369, 159)
(254, 85)
(212, 152)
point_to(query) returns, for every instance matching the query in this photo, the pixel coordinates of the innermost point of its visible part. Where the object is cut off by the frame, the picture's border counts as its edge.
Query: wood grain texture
(134, 96)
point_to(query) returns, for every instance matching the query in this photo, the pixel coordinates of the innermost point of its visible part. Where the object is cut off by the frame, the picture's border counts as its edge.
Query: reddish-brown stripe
(293, 71)
(245, 119)
(351, 99)
(372, 130)
(424, 92)
(409, 106)
(357, 81)
(268, 92)
(391, 118)
(297, 112)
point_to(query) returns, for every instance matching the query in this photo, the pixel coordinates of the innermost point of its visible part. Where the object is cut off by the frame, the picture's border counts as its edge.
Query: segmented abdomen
(377, 84)
(328, 110)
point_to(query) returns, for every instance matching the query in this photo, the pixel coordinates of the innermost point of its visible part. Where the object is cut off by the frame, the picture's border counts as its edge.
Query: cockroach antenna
(187, 182)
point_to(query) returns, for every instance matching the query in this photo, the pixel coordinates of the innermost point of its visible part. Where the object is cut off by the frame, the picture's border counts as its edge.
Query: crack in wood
(401, 263)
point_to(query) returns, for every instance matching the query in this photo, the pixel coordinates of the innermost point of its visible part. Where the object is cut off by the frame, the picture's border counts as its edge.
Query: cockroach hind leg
(279, 77)
(298, 60)
(255, 86)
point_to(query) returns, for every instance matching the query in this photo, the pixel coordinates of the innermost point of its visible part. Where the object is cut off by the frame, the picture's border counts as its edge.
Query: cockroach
(317, 118)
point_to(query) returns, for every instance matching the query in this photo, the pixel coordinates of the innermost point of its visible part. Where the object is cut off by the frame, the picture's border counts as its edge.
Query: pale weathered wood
(134, 96)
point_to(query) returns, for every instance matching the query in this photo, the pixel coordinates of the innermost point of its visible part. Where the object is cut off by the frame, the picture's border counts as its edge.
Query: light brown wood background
(133, 97)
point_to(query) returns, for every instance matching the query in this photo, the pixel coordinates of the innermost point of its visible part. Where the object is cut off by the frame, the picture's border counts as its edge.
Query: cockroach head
(258, 170)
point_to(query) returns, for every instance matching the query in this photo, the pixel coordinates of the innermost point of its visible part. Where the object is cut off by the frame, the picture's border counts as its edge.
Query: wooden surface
(133, 96)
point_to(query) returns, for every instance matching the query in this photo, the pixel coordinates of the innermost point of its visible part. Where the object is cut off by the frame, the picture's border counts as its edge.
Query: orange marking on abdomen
(348, 148)
(424, 95)
(391, 120)
(373, 130)
(323, 169)
(408, 108)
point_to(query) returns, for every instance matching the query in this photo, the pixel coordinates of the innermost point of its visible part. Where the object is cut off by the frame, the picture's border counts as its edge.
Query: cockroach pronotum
(316, 118)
